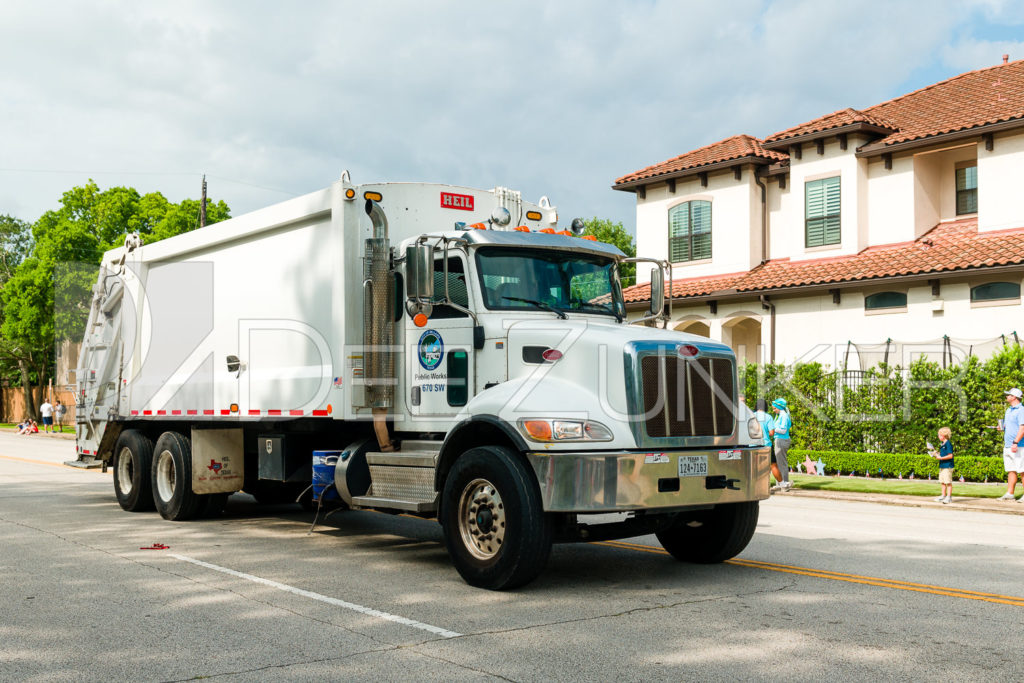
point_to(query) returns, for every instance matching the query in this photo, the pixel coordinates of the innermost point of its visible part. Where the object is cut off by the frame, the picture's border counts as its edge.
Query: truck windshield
(556, 281)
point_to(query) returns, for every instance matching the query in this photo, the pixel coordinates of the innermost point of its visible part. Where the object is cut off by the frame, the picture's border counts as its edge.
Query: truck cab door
(440, 354)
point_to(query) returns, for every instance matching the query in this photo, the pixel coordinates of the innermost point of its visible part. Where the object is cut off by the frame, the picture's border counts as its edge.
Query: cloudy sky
(560, 97)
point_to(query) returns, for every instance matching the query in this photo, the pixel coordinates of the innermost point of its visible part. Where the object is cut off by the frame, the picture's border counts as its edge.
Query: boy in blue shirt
(945, 456)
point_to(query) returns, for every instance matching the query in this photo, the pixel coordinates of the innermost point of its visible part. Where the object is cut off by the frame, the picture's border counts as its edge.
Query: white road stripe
(323, 598)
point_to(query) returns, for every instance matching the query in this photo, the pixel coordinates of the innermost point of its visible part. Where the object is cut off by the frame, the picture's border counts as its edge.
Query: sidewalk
(1004, 507)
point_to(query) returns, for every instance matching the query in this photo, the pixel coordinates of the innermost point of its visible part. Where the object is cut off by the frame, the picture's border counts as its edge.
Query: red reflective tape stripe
(192, 412)
(135, 412)
(147, 412)
(225, 412)
(161, 412)
(254, 412)
(319, 413)
(207, 411)
(273, 412)
(295, 412)
(175, 412)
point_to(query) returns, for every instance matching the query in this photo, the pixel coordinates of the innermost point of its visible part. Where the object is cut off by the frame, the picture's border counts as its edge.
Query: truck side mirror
(419, 270)
(657, 291)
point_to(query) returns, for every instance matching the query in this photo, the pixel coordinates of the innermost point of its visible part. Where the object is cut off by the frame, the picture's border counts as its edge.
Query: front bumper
(647, 480)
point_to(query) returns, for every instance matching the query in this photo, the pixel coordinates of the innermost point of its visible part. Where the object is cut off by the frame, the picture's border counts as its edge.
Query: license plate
(693, 465)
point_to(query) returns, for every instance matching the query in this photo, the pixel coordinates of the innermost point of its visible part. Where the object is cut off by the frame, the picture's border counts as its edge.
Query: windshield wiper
(539, 304)
(599, 307)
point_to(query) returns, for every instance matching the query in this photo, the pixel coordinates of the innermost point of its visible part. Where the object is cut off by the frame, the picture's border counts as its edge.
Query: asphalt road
(826, 589)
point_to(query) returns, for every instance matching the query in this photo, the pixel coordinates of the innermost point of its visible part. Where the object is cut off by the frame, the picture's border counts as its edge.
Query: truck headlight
(564, 430)
(754, 429)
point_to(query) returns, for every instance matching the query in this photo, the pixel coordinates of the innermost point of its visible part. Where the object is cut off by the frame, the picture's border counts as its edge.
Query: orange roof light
(521, 228)
(565, 232)
(589, 237)
(477, 226)
(549, 231)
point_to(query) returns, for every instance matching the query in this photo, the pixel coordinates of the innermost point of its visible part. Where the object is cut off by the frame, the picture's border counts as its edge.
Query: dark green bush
(891, 465)
(893, 410)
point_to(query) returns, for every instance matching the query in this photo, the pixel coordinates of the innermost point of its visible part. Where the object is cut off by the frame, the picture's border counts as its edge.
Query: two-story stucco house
(899, 223)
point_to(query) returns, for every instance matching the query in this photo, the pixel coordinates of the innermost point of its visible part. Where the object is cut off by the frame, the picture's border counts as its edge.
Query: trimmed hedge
(892, 465)
(890, 409)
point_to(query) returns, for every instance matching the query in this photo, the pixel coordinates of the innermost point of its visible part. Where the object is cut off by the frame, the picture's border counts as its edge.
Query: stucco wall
(1001, 184)
(735, 211)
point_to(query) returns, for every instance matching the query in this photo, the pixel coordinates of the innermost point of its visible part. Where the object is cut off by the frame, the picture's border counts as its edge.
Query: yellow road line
(51, 464)
(1015, 601)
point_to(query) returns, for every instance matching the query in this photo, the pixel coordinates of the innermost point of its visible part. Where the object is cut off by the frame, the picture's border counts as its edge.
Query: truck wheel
(172, 478)
(494, 526)
(133, 457)
(711, 536)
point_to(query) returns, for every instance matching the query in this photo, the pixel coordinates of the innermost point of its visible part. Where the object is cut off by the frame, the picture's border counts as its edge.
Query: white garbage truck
(453, 354)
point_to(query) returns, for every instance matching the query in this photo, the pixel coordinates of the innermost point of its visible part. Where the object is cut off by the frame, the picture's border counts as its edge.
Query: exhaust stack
(378, 325)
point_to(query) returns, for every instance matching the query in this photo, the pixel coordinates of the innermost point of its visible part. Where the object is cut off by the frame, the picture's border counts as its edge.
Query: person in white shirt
(46, 410)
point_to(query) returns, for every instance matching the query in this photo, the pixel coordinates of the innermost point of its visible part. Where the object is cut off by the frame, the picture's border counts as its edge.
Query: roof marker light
(589, 237)
(350, 193)
(521, 228)
(533, 215)
(549, 231)
(565, 232)
(375, 196)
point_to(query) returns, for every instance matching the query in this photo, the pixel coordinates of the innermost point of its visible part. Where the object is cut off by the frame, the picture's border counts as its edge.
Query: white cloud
(551, 98)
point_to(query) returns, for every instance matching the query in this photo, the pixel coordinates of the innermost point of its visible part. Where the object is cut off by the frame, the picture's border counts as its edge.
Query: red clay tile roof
(736, 147)
(837, 119)
(970, 100)
(946, 247)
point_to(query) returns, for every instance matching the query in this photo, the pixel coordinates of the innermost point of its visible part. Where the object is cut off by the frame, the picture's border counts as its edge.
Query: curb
(990, 505)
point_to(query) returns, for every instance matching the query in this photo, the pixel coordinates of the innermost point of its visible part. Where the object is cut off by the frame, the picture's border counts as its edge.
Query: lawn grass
(903, 487)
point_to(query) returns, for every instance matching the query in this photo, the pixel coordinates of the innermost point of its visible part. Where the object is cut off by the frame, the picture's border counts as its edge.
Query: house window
(875, 302)
(967, 190)
(689, 231)
(996, 291)
(822, 212)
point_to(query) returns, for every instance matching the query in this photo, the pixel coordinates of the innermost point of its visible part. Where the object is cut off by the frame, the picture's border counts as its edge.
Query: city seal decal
(431, 349)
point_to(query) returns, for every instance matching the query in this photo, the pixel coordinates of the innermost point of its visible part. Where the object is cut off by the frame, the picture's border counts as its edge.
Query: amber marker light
(375, 196)
(234, 407)
(419, 320)
(350, 193)
(533, 215)
(538, 429)
(521, 228)
(548, 231)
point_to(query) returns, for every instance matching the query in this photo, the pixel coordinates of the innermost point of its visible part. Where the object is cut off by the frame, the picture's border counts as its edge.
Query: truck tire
(172, 478)
(711, 536)
(494, 525)
(133, 458)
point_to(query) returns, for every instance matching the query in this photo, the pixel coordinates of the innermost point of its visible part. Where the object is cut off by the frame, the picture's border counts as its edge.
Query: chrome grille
(686, 397)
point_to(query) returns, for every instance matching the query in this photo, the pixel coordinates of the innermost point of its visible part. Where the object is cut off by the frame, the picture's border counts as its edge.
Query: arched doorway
(696, 326)
(742, 333)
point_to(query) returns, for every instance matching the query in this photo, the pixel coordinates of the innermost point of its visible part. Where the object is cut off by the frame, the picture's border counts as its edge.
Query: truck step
(395, 504)
(421, 445)
(404, 458)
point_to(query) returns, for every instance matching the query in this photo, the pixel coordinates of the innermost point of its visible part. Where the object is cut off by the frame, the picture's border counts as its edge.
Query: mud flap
(217, 461)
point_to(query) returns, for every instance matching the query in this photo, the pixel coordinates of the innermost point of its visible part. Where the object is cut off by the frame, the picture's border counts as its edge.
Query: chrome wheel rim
(165, 476)
(125, 470)
(481, 519)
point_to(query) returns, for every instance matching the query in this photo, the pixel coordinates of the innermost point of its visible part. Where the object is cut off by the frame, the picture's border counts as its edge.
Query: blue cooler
(323, 475)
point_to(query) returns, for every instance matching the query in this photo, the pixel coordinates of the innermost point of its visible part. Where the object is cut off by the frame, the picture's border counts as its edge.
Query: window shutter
(679, 233)
(700, 228)
(822, 212)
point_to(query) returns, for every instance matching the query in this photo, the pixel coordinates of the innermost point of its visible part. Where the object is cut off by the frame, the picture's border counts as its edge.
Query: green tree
(15, 245)
(67, 246)
(613, 233)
